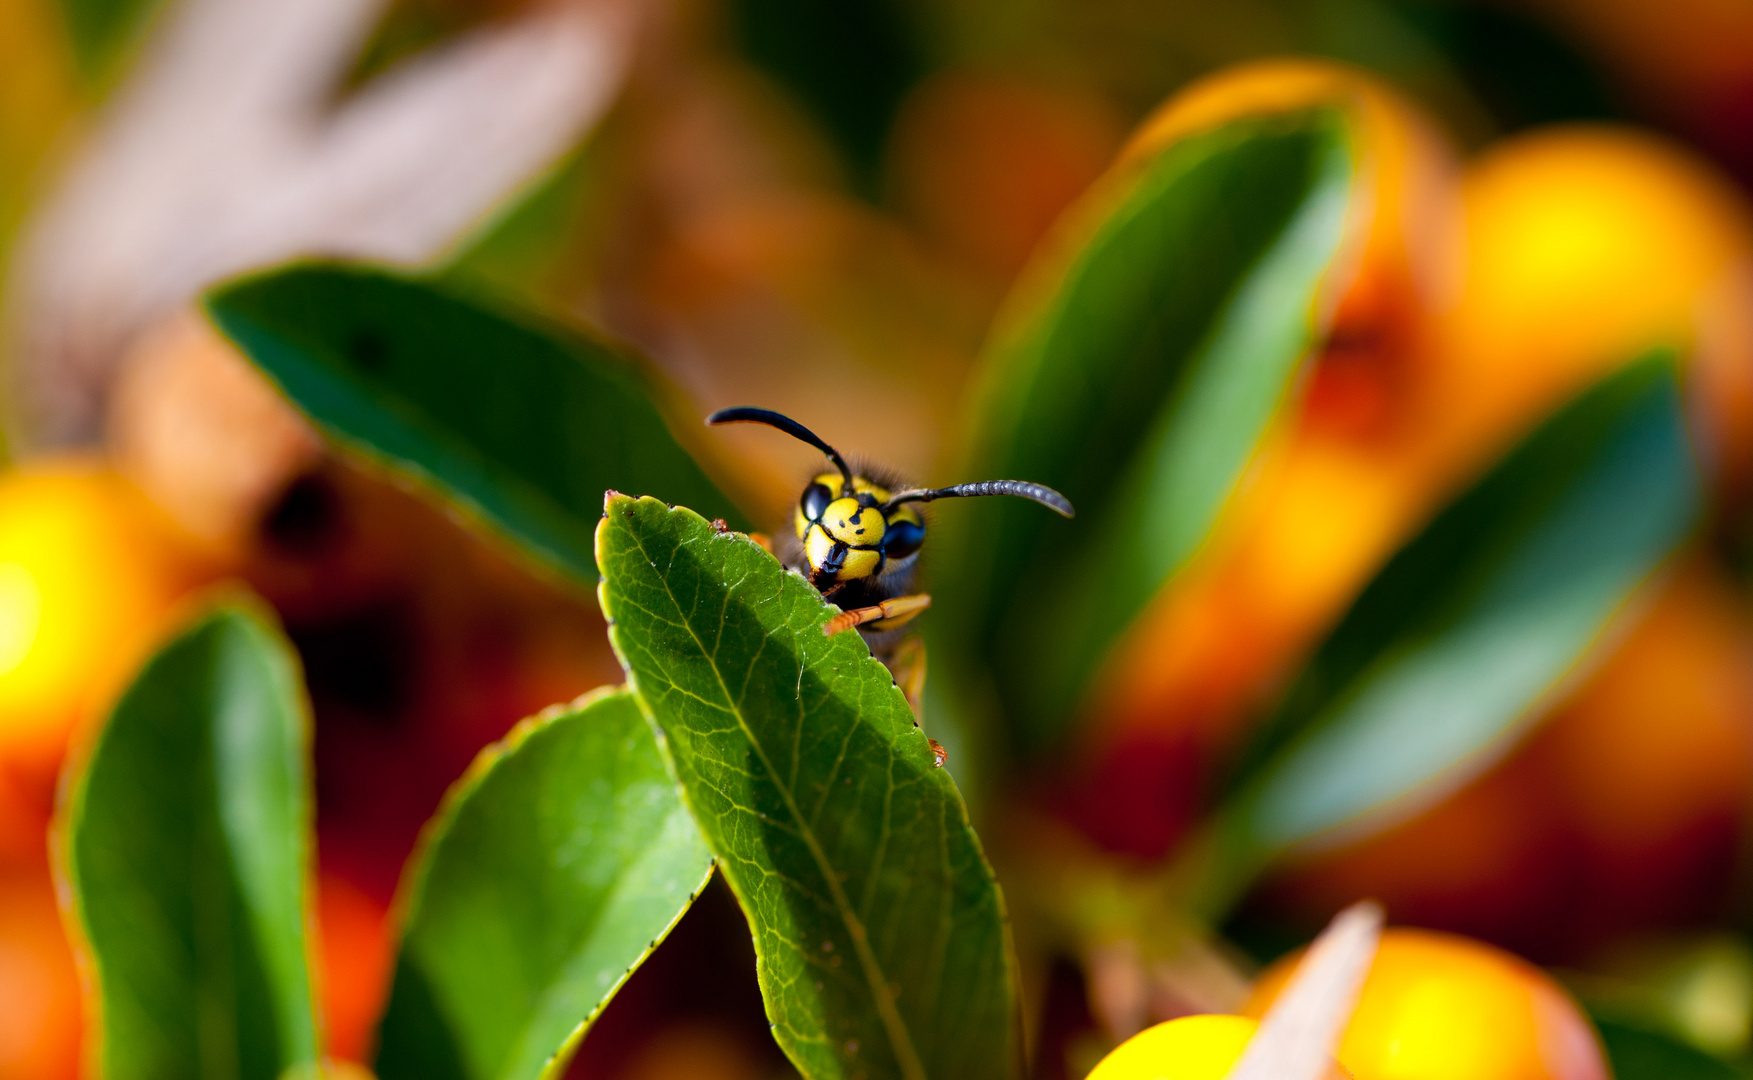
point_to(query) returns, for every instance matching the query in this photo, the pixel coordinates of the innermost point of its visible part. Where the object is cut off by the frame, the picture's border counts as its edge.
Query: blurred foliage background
(819, 208)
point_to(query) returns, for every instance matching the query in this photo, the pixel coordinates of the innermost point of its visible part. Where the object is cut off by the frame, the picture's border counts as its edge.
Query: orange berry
(354, 953)
(90, 573)
(1440, 1007)
(1585, 246)
(1191, 1048)
(40, 1021)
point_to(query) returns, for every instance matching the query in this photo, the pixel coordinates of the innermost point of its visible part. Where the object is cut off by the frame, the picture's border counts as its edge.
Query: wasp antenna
(748, 414)
(1040, 493)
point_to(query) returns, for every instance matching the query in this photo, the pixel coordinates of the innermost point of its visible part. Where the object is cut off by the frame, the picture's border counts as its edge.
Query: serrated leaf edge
(900, 1038)
(411, 888)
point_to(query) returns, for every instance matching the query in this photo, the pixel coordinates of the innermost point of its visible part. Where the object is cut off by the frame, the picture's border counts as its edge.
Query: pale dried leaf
(222, 154)
(1301, 1030)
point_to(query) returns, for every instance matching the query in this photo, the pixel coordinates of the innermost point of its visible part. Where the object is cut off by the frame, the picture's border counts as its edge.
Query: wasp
(858, 539)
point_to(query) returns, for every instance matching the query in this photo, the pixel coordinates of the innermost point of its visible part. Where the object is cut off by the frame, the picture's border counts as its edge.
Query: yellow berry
(1191, 1048)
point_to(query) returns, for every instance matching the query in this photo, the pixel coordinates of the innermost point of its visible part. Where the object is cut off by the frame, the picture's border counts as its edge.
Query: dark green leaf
(1467, 632)
(879, 928)
(519, 424)
(1640, 1053)
(1138, 380)
(103, 32)
(188, 846)
(850, 64)
(554, 868)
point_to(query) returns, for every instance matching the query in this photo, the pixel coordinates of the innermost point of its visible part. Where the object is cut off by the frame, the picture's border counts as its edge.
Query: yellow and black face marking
(859, 538)
(847, 537)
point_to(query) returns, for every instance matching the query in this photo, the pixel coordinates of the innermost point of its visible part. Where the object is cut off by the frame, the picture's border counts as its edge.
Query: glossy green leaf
(553, 869)
(1639, 1053)
(519, 424)
(1138, 379)
(187, 849)
(1477, 623)
(103, 32)
(879, 928)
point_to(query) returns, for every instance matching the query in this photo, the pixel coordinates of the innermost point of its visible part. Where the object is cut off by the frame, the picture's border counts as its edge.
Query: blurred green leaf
(102, 32)
(520, 424)
(531, 246)
(551, 872)
(1475, 625)
(188, 847)
(1640, 1053)
(1138, 381)
(878, 924)
(850, 64)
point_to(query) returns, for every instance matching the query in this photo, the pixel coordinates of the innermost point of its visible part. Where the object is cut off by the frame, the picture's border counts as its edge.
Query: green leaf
(551, 872)
(188, 850)
(1641, 1053)
(1478, 623)
(103, 32)
(521, 425)
(879, 928)
(849, 64)
(1138, 379)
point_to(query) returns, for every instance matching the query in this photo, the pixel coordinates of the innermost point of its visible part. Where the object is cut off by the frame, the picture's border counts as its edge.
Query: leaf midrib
(896, 1028)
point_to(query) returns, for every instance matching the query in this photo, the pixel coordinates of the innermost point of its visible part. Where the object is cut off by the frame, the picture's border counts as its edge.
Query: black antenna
(748, 414)
(1040, 493)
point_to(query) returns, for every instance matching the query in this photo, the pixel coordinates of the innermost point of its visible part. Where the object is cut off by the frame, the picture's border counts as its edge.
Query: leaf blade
(1138, 380)
(1639, 1052)
(521, 426)
(1457, 644)
(187, 849)
(554, 868)
(818, 794)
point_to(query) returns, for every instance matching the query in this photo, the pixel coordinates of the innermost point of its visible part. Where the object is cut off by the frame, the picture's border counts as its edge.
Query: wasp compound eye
(815, 501)
(903, 539)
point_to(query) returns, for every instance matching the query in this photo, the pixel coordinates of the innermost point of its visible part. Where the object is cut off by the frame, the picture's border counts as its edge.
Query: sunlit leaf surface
(1138, 378)
(519, 424)
(188, 844)
(879, 927)
(1476, 624)
(553, 869)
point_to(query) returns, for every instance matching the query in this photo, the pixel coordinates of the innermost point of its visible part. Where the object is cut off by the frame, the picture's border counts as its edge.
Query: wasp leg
(907, 664)
(892, 613)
